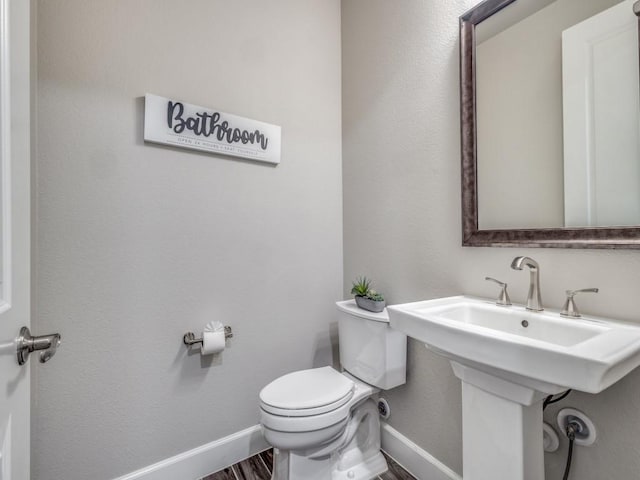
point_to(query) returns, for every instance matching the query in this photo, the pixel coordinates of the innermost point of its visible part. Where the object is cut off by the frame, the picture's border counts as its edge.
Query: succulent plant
(362, 288)
(375, 296)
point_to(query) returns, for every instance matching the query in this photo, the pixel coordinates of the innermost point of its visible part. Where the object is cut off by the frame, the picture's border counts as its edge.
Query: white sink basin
(541, 350)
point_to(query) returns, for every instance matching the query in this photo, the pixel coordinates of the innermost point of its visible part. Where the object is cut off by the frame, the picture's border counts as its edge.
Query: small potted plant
(366, 297)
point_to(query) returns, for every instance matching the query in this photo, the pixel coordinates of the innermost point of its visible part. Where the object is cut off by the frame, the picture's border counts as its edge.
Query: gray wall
(136, 244)
(402, 227)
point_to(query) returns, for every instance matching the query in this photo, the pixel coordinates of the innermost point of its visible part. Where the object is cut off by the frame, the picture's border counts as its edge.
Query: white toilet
(324, 424)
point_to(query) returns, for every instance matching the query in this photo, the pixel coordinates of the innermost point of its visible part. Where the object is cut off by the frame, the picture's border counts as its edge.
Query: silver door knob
(27, 344)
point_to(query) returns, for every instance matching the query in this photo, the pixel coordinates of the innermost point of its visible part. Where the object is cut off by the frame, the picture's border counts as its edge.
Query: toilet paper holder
(190, 338)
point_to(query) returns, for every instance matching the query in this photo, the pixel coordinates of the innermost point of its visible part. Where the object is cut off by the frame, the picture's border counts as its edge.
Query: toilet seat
(307, 392)
(338, 393)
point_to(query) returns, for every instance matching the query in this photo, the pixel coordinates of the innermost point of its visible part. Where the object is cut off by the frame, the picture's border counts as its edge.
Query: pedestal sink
(509, 360)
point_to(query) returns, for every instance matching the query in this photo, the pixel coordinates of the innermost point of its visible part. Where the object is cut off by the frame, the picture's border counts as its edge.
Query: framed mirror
(550, 123)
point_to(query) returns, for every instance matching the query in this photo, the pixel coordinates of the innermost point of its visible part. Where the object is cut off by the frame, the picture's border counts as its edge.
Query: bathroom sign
(172, 122)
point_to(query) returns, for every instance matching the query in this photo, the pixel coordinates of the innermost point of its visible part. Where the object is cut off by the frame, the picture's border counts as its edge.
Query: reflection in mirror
(4, 162)
(5, 157)
(558, 115)
(601, 119)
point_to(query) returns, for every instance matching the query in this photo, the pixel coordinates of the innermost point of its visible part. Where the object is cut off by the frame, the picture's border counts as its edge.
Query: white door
(14, 236)
(602, 119)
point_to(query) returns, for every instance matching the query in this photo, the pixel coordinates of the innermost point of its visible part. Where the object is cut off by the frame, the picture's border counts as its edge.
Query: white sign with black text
(180, 124)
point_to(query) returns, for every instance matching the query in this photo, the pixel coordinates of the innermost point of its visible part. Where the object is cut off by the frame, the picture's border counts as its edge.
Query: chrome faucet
(534, 300)
(569, 309)
(503, 297)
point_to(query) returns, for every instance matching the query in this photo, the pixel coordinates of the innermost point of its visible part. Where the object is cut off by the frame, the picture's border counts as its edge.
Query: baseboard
(414, 459)
(227, 451)
(205, 459)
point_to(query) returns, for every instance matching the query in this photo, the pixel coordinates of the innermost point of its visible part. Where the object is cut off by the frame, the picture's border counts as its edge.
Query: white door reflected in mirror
(602, 119)
(525, 128)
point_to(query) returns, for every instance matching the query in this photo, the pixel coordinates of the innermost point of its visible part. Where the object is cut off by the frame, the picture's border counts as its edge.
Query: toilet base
(355, 455)
(287, 468)
(367, 470)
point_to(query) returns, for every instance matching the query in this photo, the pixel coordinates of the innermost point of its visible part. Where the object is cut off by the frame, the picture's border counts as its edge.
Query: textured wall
(137, 244)
(402, 227)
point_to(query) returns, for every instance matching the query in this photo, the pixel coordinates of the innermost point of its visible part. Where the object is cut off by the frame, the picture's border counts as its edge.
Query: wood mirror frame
(472, 236)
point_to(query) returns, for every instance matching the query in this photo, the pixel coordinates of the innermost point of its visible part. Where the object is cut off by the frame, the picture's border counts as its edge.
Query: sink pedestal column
(501, 428)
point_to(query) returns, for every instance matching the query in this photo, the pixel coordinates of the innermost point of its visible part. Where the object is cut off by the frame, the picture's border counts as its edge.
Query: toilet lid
(307, 392)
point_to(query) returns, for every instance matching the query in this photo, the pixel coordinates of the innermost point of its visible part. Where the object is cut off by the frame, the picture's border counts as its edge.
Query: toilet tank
(369, 348)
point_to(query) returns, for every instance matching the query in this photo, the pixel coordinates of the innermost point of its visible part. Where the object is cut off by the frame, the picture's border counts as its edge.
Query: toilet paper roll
(213, 339)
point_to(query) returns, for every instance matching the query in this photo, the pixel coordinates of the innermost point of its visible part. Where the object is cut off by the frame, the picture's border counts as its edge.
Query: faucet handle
(503, 296)
(570, 308)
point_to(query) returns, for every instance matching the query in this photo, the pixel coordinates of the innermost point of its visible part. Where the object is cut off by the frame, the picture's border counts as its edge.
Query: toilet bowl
(324, 424)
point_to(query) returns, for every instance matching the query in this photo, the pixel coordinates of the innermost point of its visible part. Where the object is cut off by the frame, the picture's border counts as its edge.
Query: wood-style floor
(259, 467)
